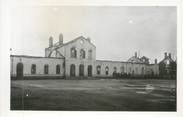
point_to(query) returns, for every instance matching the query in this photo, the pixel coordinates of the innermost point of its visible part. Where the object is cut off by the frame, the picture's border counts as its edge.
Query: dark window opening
(107, 70)
(58, 69)
(33, 69)
(46, 69)
(82, 54)
(73, 53)
(98, 69)
(81, 70)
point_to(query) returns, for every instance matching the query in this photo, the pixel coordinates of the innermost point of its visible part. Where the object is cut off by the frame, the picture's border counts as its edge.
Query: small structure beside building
(168, 67)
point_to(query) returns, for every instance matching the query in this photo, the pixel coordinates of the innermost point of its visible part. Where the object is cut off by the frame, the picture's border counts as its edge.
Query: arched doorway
(19, 70)
(81, 70)
(72, 70)
(89, 70)
(142, 71)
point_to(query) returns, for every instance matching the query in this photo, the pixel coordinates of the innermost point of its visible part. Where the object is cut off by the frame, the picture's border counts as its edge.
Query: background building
(168, 67)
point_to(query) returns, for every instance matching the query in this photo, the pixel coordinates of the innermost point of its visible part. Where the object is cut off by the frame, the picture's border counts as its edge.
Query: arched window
(136, 70)
(73, 52)
(130, 69)
(142, 70)
(82, 54)
(33, 69)
(72, 70)
(81, 70)
(115, 69)
(89, 70)
(122, 69)
(46, 69)
(98, 69)
(106, 70)
(20, 70)
(89, 54)
(58, 69)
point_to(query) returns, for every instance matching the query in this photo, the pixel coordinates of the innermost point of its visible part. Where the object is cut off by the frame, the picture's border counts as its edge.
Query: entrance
(81, 70)
(72, 70)
(19, 70)
(89, 70)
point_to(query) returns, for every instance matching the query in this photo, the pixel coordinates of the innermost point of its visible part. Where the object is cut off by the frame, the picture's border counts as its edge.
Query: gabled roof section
(57, 45)
(134, 59)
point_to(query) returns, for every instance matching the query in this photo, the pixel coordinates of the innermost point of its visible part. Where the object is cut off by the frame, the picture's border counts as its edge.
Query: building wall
(129, 68)
(86, 46)
(40, 62)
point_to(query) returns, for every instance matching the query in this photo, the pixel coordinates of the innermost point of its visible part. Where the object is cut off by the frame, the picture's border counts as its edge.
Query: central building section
(79, 54)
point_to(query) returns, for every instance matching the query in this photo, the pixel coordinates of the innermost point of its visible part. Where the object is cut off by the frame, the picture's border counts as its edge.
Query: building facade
(168, 67)
(77, 58)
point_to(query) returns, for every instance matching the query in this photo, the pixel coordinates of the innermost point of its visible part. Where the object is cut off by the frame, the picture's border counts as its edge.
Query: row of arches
(81, 70)
(20, 69)
(72, 70)
(122, 70)
(82, 53)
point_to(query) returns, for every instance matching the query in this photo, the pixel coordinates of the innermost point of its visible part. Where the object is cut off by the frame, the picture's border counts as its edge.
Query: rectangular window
(33, 69)
(46, 69)
(58, 69)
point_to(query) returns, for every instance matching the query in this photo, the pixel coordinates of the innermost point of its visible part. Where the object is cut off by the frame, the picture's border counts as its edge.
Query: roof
(118, 61)
(27, 56)
(134, 59)
(57, 45)
(166, 59)
(144, 57)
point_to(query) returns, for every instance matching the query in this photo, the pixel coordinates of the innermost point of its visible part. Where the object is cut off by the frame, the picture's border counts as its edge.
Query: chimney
(165, 54)
(169, 55)
(155, 61)
(135, 54)
(50, 41)
(60, 39)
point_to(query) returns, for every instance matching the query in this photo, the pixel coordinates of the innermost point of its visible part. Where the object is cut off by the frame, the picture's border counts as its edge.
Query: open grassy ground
(94, 95)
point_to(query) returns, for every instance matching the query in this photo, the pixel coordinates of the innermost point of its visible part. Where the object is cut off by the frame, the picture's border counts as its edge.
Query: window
(58, 69)
(46, 70)
(90, 54)
(73, 52)
(20, 69)
(33, 69)
(81, 41)
(82, 54)
(122, 69)
(107, 70)
(136, 70)
(115, 69)
(81, 70)
(142, 70)
(89, 70)
(98, 69)
(130, 70)
(72, 70)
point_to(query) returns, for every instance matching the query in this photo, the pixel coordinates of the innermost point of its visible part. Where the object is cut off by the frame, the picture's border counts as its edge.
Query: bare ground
(94, 95)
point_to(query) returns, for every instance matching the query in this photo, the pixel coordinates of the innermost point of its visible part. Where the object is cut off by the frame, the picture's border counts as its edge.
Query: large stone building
(77, 58)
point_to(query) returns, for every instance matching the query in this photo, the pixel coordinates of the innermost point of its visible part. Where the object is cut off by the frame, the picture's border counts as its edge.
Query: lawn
(94, 95)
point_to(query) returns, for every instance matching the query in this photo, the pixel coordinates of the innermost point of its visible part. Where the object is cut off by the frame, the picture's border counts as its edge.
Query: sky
(116, 31)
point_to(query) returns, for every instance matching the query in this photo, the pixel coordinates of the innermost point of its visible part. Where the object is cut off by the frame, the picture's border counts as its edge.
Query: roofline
(27, 56)
(121, 62)
(64, 44)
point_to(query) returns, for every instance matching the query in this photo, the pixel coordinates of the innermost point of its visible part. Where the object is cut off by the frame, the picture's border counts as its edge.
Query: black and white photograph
(93, 58)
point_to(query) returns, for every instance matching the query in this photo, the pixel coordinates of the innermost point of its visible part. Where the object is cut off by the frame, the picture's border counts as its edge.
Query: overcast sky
(117, 32)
